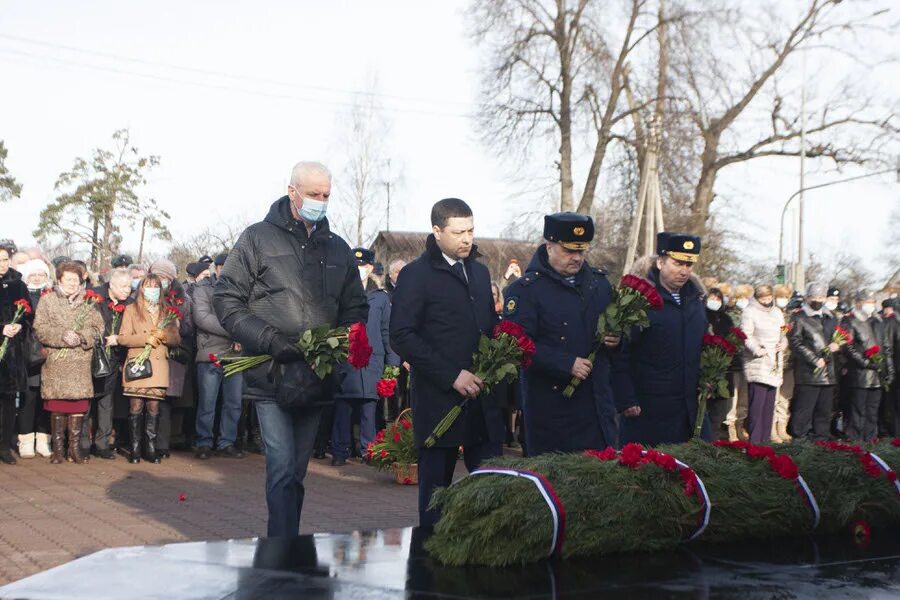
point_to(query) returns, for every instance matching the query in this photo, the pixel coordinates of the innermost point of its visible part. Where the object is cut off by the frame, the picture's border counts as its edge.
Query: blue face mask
(152, 295)
(135, 283)
(313, 210)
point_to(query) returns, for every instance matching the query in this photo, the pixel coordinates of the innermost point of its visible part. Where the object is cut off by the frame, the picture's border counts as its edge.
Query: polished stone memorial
(392, 564)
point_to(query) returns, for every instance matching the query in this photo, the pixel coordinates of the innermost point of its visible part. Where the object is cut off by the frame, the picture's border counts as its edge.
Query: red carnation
(738, 333)
(760, 452)
(212, 357)
(785, 466)
(602, 455)
(405, 424)
(46, 291)
(872, 351)
(92, 296)
(528, 350)
(645, 289)
(174, 311)
(896, 442)
(24, 305)
(385, 388)
(397, 436)
(689, 479)
(119, 308)
(384, 454)
(510, 328)
(359, 349)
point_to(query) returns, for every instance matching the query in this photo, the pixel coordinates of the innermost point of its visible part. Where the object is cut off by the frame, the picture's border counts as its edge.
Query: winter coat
(116, 353)
(436, 322)
(186, 348)
(561, 318)
(67, 377)
(720, 324)
(809, 337)
(32, 344)
(892, 337)
(658, 369)
(360, 383)
(134, 334)
(280, 281)
(211, 336)
(763, 327)
(862, 372)
(13, 368)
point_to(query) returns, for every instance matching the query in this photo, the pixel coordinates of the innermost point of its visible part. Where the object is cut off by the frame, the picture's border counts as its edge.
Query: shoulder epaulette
(529, 278)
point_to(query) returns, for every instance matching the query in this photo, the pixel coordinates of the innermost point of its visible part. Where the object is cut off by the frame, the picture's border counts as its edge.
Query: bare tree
(726, 64)
(365, 172)
(555, 74)
(214, 239)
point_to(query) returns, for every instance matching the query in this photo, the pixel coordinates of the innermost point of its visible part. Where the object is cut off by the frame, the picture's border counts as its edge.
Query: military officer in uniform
(558, 301)
(657, 370)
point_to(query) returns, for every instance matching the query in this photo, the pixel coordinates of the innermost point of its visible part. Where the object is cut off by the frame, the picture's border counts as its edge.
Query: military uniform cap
(363, 256)
(206, 258)
(194, 269)
(834, 292)
(570, 230)
(680, 246)
(220, 259)
(122, 260)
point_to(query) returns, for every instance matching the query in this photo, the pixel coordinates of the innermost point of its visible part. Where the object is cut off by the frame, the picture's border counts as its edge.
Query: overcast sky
(262, 85)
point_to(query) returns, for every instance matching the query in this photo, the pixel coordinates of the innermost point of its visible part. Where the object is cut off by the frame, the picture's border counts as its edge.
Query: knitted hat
(164, 268)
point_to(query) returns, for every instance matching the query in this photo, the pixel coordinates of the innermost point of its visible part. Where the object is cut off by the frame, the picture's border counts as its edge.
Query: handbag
(135, 372)
(35, 353)
(101, 366)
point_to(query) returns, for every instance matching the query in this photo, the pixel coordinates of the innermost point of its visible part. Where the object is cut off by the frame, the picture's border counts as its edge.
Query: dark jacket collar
(540, 263)
(10, 276)
(280, 215)
(688, 292)
(436, 256)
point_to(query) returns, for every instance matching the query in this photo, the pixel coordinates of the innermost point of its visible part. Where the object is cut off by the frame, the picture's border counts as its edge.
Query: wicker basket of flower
(394, 448)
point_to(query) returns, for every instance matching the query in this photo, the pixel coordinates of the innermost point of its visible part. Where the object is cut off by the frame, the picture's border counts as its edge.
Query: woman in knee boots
(140, 328)
(67, 325)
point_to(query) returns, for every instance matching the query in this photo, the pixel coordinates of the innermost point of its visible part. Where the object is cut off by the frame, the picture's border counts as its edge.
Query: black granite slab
(391, 564)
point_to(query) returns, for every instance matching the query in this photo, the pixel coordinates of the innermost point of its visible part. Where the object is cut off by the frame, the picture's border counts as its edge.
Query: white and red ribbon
(704, 499)
(886, 468)
(810, 500)
(557, 511)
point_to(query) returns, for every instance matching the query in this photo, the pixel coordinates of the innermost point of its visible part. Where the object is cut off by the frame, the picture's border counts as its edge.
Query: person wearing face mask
(737, 411)
(863, 380)
(66, 381)
(780, 435)
(13, 374)
(137, 272)
(720, 323)
(116, 296)
(33, 422)
(175, 412)
(814, 366)
(140, 326)
(832, 302)
(763, 324)
(358, 385)
(287, 274)
(656, 372)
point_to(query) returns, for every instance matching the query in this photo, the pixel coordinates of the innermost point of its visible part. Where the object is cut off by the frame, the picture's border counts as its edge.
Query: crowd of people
(129, 360)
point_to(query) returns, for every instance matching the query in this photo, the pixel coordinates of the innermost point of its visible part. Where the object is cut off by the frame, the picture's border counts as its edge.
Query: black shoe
(106, 453)
(338, 461)
(7, 457)
(163, 454)
(203, 453)
(319, 455)
(151, 427)
(230, 452)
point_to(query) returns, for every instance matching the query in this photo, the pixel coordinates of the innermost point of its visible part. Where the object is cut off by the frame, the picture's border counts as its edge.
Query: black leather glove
(283, 350)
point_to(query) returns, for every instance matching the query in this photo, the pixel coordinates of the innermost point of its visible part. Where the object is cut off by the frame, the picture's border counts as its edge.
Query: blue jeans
(209, 378)
(340, 431)
(289, 436)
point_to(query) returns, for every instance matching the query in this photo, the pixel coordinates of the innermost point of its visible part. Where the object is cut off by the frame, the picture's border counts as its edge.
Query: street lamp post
(813, 187)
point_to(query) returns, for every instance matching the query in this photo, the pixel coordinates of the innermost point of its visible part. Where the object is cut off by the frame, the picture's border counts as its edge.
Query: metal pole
(813, 187)
(801, 274)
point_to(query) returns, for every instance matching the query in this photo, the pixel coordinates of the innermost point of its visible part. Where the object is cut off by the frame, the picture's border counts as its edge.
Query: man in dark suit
(441, 307)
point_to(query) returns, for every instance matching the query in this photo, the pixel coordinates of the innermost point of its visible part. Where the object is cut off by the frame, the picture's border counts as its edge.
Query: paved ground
(50, 514)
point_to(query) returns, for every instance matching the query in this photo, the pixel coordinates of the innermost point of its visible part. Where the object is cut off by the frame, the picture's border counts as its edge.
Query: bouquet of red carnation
(91, 299)
(170, 315)
(22, 308)
(117, 310)
(841, 337)
(497, 359)
(394, 444)
(323, 348)
(387, 385)
(627, 308)
(875, 354)
(715, 358)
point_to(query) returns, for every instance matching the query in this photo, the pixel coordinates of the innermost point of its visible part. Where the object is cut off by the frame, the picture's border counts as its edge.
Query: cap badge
(578, 231)
(689, 245)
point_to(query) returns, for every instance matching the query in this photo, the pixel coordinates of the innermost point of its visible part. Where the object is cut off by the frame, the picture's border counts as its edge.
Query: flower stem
(575, 382)
(444, 425)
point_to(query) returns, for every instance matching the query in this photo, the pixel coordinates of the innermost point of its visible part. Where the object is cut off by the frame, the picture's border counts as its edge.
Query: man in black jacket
(814, 370)
(441, 307)
(287, 274)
